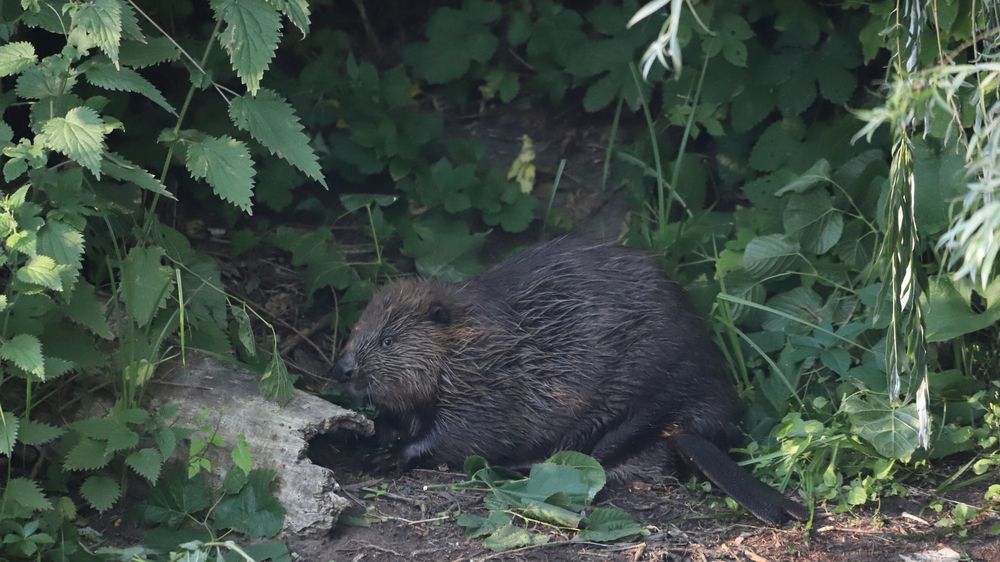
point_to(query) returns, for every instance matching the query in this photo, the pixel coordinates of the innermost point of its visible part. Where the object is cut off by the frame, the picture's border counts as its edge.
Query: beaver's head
(399, 349)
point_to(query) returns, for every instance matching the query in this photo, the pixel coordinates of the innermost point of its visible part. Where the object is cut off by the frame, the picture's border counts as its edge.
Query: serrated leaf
(15, 57)
(9, 425)
(166, 441)
(175, 497)
(105, 75)
(226, 165)
(146, 463)
(25, 493)
(254, 512)
(43, 271)
(271, 121)
(297, 12)
(25, 351)
(607, 524)
(121, 169)
(100, 492)
(64, 244)
(146, 283)
(768, 255)
(38, 433)
(98, 23)
(250, 37)
(275, 384)
(88, 454)
(244, 333)
(156, 50)
(53, 76)
(79, 136)
(84, 309)
(117, 435)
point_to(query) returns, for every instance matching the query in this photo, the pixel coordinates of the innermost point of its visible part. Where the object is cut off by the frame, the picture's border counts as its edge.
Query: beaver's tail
(764, 502)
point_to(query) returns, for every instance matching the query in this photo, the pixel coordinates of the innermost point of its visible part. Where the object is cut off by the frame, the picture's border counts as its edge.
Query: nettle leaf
(100, 492)
(121, 169)
(9, 425)
(607, 524)
(891, 430)
(153, 51)
(297, 12)
(84, 309)
(54, 76)
(254, 511)
(26, 493)
(275, 384)
(78, 136)
(244, 332)
(271, 121)
(15, 57)
(226, 165)
(25, 351)
(107, 76)
(38, 433)
(730, 32)
(43, 271)
(250, 38)
(146, 463)
(443, 247)
(98, 23)
(146, 283)
(456, 39)
(64, 244)
(811, 219)
(768, 255)
(87, 454)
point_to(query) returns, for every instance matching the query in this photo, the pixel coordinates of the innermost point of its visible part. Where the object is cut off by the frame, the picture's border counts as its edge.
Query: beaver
(568, 345)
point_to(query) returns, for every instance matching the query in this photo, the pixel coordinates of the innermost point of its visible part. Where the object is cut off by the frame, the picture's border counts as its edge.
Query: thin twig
(298, 337)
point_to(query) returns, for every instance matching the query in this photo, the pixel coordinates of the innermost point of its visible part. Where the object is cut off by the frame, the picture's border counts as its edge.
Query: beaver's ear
(439, 313)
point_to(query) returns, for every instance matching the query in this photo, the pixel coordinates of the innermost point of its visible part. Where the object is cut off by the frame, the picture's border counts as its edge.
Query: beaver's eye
(387, 342)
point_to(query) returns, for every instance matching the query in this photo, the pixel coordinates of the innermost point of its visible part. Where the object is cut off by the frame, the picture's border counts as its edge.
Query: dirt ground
(412, 523)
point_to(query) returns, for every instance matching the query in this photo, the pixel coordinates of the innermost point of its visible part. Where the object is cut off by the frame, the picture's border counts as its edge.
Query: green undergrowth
(811, 174)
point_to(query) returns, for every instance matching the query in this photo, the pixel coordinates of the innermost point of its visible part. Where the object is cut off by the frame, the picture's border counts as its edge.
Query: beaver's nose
(344, 368)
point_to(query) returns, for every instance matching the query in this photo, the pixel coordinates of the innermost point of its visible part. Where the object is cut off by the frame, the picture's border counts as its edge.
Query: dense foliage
(794, 165)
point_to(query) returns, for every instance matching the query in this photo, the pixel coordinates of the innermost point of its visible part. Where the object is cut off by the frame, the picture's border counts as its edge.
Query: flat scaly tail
(764, 502)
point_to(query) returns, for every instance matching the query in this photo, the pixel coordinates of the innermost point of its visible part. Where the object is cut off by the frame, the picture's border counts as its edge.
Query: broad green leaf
(551, 513)
(78, 136)
(275, 384)
(510, 537)
(146, 463)
(98, 23)
(891, 430)
(250, 37)
(607, 524)
(776, 145)
(88, 454)
(146, 283)
(254, 511)
(38, 433)
(811, 219)
(731, 31)
(476, 526)
(64, 244)
(9, 425)
(26, 493)
(226, 165)
(175, 497)
(52, 77)
(25, 351)
(271, 121)
(818, 174)
(155, 50)
(768, 255)
(121, 169)
(244, 333)
(43, 271)
(456, 39)
(591, 471)
(949, 310)
(84, 309)
(799, 302)
(241, 454)
(116, 434)
(15, 57)
(443, 247)
(100, 492)
(297, 12)
(105, 75)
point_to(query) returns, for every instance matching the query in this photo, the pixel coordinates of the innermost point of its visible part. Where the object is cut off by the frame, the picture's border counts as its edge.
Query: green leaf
(510, 537)
(38, 433)
(768, 255)
(116, 434)
(731, 31)
(250, 37)
(811, 219)
(608, 524)
(100, 492)
(26, 493)
(52, 77)
(476, 526)
(84, 309)
(146, 462)
(88, 454)
(443, 247)
(176, 497)
(64, 244)
(891, 430)
(226, 165)
(121, 169)
(166, 441)
(25, 351)
(15, 57)
(275, 384)
(244, 333)
(241, 454)
(818, 174)
(9, 425)
(42, 270)
(153, 51)
(591, 471)
(271, 121)
(297, 12)
(949, 308)
(254, 511)
(146, 283)
(105, 75)
(776, 145)
(456, 39)
(98, 23)
(79, 136)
